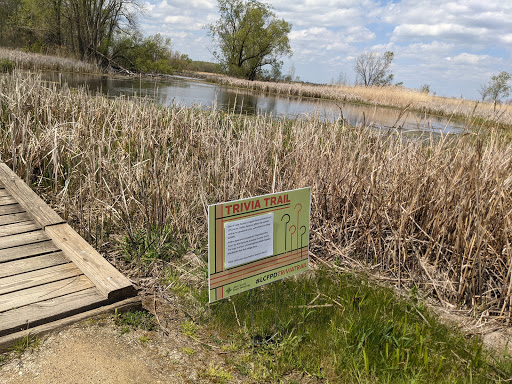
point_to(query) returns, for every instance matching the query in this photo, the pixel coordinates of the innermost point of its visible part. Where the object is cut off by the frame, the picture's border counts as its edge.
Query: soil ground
(97, 351)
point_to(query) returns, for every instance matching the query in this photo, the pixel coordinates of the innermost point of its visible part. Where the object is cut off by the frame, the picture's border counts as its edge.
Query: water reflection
(189, 92)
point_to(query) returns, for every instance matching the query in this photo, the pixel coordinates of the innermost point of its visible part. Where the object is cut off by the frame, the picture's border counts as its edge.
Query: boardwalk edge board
(49, 275)
(28, 199)
(109, 281)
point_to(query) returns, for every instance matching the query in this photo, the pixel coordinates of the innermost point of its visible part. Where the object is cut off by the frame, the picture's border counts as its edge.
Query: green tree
(425, 88)
(150, 54)
(497, 88)
(8, 13)
(249, 37)
(372, 68)
(85, 28)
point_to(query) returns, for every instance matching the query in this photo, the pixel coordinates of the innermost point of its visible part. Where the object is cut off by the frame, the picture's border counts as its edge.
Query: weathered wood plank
(14, 218)
(30, 264)
(119, 307)
(27, 250)
(27, 198)
(4, 192)
(44, 292)
(23, 238)
(16, 228)
(6, 200)
(49, 310)
(39, 277)
(109, 281)
(10, 209)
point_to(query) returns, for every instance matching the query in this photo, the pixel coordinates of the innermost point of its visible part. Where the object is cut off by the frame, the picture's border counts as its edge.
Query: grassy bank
(338, 328)
(471, 112)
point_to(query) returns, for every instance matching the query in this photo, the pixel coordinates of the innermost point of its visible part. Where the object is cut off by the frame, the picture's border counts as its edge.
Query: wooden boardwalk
(49, 275)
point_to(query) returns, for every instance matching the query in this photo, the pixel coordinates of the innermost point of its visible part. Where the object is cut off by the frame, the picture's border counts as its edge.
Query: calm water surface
(193, 92)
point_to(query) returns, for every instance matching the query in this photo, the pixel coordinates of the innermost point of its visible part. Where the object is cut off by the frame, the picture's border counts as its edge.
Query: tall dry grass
(434, 212)
(469, 110)
(36, 62)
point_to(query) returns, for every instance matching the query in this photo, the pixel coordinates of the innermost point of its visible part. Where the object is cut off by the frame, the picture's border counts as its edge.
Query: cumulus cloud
(446, 31)
(466, 22)
(184, 21)
(468, 58)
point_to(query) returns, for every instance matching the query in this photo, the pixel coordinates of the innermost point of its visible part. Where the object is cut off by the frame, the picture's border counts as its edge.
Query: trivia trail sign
(257, 241)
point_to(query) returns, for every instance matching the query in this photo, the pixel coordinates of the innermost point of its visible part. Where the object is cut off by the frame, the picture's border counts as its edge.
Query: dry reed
(399, 97)
(35, 61)
(434, 212)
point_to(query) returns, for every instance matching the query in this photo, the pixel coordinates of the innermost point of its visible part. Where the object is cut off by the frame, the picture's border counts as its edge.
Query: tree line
(100, 31)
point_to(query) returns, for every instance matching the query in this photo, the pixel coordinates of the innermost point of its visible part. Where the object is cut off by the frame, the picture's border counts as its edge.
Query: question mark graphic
(285, 228)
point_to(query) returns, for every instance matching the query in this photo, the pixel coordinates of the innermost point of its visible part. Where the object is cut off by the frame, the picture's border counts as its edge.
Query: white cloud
(464, 21)
(468, 58)
(326, 13)
(433, 49)
(443, 30)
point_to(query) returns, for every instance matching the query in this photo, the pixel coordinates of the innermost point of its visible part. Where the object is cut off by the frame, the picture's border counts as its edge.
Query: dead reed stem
(37, 62)
(437, 211)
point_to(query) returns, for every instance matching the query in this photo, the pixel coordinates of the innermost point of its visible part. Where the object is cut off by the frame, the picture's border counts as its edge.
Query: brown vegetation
(394, 96)
(36, 61)
(435, 212)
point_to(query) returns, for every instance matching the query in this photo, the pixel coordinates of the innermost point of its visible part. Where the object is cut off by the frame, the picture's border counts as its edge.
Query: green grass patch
(216, 374)
(130, 321)
(6, 65)
(147, 245)
(28, 342)
(4, 358)
(342, 329)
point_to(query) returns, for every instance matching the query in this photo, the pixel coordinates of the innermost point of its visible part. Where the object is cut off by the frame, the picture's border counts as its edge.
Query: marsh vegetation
(431, 215)
(428, 212)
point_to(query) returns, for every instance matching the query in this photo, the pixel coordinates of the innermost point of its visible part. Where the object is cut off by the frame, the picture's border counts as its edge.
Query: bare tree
(93, 22)
(372, 68)
(484, 91)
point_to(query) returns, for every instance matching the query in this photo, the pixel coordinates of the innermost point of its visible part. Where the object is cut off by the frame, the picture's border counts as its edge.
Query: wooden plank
(36, 278)
(44, 292)
(28, 250)
(30, 264)
(27, 198)
(132, 303)
(6, 200)
(23, 238)
(11, 208)
(49, 310)
(16, 228)
(4, 192)
(109, 281)
(14, 218)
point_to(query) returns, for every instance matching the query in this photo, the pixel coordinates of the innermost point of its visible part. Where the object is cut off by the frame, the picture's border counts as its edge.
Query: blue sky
(453, 46)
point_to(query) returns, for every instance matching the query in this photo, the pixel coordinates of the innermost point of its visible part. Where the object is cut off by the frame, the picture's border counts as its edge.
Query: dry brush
(435, 212)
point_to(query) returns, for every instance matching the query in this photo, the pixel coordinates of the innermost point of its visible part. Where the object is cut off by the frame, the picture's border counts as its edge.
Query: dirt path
(97, 351)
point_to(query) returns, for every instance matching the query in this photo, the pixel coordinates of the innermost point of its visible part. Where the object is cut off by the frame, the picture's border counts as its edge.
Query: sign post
(256, 241)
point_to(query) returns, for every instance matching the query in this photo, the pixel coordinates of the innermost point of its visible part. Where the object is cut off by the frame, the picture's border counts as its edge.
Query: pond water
(193, 92)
